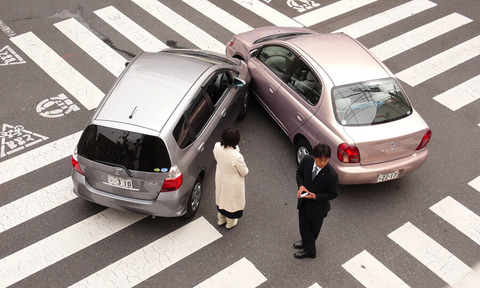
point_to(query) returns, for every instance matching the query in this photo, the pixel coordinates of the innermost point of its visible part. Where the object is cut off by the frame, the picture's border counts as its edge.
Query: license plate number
(387, 176)
(119, 181)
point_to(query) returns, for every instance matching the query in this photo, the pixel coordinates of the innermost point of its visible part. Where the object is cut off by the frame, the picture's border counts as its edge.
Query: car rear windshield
(131, 150)
(370, 103)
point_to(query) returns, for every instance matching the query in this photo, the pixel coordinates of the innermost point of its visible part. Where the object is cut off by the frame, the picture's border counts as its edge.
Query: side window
(304, 81)
(218, 85)
(193, 120)
(276, 58)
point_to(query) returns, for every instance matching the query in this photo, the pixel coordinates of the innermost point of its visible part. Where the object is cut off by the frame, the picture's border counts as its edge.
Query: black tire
(194, 199)
(246, 105)
(302, 148)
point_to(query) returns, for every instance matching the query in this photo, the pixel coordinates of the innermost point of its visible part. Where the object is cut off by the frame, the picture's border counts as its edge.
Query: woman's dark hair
(321, 150)
(230, 137)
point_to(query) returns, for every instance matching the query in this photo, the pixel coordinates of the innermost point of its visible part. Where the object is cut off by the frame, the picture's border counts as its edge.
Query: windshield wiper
(116, 165)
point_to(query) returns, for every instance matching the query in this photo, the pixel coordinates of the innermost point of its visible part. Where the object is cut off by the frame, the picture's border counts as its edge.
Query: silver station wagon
(329, 88)
(149, 143)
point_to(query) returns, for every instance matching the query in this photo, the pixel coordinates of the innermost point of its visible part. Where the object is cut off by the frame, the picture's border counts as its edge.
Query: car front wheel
(194, 199)
(302, 148)
(245, 105)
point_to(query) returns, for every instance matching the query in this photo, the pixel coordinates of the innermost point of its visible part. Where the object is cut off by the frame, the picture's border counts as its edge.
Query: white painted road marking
(220, 16)
(38, 158)
(240, 274)
(460, 95)
(155, 257)
(62, 244)
(330, 11)
(268, 13)
(475, 183)
(92, 45)
(57, 68)
(459, 217)
(431, 254)
(372, 273)
(131, 30)
(181, 25)
(440, 63)
(419, 35)
(35, 204)
(386, 18)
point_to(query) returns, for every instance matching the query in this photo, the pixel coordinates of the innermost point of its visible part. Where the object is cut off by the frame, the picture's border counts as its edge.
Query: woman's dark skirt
(231, 215)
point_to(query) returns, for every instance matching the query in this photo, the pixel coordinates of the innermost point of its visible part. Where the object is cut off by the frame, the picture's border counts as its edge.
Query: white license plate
(387, 176)
(119, 181)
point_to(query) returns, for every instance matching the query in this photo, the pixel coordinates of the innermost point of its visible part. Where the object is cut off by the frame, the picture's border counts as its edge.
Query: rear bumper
(167, 204)
(351, 175)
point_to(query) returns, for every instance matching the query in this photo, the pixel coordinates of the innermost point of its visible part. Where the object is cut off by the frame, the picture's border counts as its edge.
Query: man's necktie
(315, 172)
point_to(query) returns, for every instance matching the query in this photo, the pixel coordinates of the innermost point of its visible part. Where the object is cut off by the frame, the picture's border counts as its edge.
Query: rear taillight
(173, 181)
(425, 140)
(348, 153)
(75, 163)
(231, 42)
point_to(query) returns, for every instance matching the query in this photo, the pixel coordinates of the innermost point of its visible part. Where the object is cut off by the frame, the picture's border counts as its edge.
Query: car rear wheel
(245, 106)
(194, 199)
(302, 148)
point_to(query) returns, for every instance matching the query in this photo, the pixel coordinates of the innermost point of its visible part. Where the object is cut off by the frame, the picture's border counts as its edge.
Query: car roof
(341, 57)
(151, 88)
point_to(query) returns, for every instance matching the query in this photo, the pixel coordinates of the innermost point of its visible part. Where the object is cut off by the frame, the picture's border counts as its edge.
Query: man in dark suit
(314, 194)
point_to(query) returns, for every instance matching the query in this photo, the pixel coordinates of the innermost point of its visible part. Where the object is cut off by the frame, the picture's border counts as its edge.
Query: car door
(297, 97)
(267, 70)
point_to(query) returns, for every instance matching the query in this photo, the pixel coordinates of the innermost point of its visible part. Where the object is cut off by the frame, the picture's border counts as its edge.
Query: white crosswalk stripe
(419, 36)
(431, 254)
(220, 16)
(95, 47)
(459, 217)
(155, 257)
(36, 203)
(69, 78)
(182, 26)
(240, 274)
(386, 18)
(168, 250)
(372, 273)
(440, 63)
(48, 251)
(131, 30)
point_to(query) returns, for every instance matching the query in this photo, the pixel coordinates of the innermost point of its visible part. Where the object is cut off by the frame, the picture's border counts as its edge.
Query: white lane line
(330, 11)
(181, 25)
(431, 254)
(440, 63)
(57, 68)
(155, 257)
(131, 30)
(220, 16)
(459, 217)
(92, 45)
(419, 36)
(386, 18)
(35, 204)
(38, 158)
(62, 244)
(268, 13)
(372, 273)
(240, 274)
(475, 183)
(315, 285)
(460, 95)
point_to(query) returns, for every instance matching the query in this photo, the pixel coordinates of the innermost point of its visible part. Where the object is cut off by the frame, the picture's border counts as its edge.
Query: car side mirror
(239, 82)
(127, 63)
(254, 53)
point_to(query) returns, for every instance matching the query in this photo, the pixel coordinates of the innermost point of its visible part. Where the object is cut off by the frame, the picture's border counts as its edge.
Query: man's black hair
(322, 150)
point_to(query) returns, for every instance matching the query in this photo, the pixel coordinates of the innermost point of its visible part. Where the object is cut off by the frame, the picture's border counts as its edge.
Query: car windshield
(115, 147)
(370, 103)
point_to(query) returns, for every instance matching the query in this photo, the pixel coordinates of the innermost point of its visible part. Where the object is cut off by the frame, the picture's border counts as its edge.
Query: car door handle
(271, 90)
(300, 117)
(224, 112)
(201, 147)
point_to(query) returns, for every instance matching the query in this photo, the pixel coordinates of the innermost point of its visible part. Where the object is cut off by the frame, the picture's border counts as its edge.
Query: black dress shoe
(302, 254)
(298, 245)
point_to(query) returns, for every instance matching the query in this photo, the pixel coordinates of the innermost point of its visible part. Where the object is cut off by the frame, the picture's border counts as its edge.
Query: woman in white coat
(229, 178)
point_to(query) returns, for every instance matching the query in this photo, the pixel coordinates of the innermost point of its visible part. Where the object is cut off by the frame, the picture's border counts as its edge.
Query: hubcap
(196, 195)
(301, 152)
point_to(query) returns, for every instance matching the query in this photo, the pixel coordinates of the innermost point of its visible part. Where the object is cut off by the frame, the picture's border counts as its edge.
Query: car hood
(388, 141)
